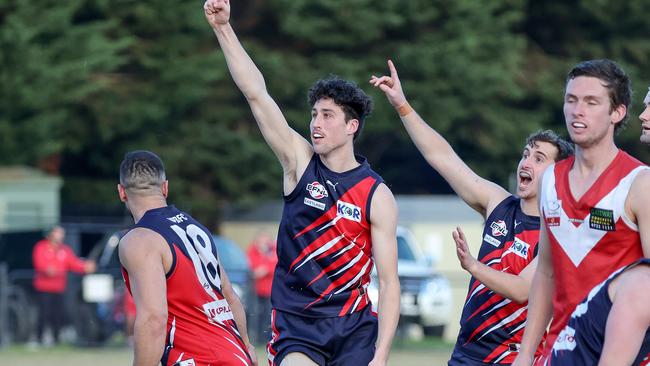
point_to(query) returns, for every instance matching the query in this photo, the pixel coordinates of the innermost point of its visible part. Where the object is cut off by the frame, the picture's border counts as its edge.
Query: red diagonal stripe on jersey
(361, 187)
(492, 255)
(495, 298)
(328, 236)
(352, 272)
(497, 317)
(354, 295)
(337, 264)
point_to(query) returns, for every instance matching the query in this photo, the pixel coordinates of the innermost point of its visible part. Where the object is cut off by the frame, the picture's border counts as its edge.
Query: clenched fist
(217, 12)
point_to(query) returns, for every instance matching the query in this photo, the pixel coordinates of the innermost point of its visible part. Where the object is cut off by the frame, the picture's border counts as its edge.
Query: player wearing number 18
(187, 312)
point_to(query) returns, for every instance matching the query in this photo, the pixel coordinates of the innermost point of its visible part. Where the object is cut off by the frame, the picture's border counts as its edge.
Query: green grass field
(404, 353)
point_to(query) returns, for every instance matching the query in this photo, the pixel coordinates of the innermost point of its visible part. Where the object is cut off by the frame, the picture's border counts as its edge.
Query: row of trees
(83, 81)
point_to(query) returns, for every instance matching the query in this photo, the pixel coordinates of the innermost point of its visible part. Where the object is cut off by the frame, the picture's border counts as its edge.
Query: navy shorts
(338, 341)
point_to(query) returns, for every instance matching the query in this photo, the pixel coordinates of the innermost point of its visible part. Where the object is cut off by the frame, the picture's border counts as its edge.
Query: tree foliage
(88, 80)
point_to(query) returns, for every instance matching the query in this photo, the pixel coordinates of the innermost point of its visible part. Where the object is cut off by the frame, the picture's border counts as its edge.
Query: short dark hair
(616, 81)
(564, 147)
(141, 171)
(356, 104)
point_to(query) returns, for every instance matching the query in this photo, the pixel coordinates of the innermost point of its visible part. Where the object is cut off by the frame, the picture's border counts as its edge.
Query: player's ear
(165, 188)
(121, 192)
(352, 126)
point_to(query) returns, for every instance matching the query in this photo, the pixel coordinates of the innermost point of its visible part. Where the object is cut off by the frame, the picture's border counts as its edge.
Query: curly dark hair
(356, 104)
(564, 147)
(616, 81)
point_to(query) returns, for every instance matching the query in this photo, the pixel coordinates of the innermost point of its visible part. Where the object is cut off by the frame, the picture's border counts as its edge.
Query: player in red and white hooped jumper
(187, 312)
(339, 219)
(494, 314)
(595, 211)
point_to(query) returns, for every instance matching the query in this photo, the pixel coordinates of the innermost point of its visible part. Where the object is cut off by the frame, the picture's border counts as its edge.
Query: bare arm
(238, 313)
(383, 219)
(292, 150)
(482, 195)
(141, 254)
(629, 318)
(540, 306)
(513, 287)
(639, 205)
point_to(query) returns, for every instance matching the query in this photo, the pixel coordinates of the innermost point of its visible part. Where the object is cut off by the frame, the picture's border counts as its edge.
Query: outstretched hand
(390, 85)
(467, 261)
(217, 12)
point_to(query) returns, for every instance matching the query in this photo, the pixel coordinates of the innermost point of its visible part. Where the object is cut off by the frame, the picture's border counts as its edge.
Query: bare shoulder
(634, 282)
(638, 198)
(138, 244)
(383, 205)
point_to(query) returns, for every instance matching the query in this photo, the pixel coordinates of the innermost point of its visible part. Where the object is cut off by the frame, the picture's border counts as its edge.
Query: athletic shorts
(339, 341)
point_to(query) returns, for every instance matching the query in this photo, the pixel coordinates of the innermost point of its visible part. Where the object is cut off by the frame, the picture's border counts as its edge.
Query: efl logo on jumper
(348, 211)
(189, 362)
(601, 219)
(520, 248)
(498, 228)
(218, 311)
(316, 190)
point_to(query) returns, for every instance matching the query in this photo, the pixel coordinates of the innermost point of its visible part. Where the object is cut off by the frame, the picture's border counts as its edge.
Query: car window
(230, 255)
(404, 251)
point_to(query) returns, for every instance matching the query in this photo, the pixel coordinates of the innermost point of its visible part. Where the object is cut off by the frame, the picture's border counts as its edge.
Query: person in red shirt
(52, 260)
(262, 260)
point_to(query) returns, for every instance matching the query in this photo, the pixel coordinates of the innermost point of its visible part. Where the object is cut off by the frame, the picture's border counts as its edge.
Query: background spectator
(52, 260)
(262, 259)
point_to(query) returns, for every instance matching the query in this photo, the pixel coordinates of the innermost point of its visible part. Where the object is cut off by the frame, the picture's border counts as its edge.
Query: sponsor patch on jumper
(316, 190)
(218, 311)
(552, 213)
(189, 362)
(491, 240)
(499, 228)
(315, 204)
(348, 211)
(601, 219)
(520, 248)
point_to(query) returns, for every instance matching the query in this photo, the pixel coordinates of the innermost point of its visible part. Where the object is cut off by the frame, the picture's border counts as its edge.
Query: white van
(425, 294)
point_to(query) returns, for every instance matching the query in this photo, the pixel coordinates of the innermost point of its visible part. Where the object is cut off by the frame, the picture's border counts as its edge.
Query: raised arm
(482, 195)
(383, 220)
(540, 306)
(511, 286)
(141, 254)
(238, 312)
(292, 150)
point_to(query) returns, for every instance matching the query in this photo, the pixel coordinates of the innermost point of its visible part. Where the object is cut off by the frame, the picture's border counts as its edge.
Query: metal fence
(4, 299)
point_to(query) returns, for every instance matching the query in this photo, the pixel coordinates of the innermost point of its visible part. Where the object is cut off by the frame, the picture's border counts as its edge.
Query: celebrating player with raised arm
(339, 219)
(495, 309)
